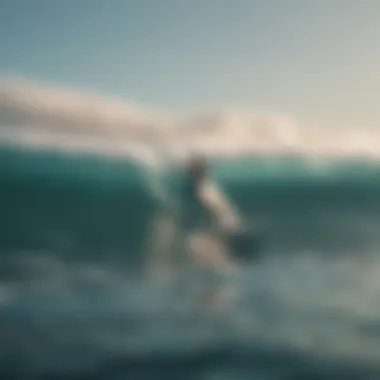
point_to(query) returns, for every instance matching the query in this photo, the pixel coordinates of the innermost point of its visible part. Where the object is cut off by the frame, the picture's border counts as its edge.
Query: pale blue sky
(318, 60)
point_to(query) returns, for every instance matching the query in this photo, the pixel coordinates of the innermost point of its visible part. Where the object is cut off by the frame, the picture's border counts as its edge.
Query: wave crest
(35, 114)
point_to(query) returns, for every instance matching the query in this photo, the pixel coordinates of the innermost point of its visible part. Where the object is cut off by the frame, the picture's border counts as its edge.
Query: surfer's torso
(194, 213)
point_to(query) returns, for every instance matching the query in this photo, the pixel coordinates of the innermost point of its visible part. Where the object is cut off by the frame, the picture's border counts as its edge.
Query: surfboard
(245, 245)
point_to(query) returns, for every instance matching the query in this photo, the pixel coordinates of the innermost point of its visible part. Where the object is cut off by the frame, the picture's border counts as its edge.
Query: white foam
(39, 115)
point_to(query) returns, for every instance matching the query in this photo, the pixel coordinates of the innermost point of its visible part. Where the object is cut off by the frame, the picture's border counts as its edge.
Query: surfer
(211, 211)
(204, 224)
(205, 219)
(194, 248)
(208, 216)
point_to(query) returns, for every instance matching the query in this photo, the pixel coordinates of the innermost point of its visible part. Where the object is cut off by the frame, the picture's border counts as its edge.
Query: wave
(88, 206)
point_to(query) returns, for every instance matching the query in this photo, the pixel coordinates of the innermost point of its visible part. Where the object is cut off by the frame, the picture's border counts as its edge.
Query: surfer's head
(197, 167)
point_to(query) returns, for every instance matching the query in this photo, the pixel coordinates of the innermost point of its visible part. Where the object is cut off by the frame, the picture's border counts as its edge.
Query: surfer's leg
(215, 292)
(208, 281)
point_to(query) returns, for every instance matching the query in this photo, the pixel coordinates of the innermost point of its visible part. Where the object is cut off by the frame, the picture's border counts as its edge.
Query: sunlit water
(75, 301)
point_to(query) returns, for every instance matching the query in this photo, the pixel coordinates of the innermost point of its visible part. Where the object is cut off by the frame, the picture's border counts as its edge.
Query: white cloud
(40, 114)
(27, 103)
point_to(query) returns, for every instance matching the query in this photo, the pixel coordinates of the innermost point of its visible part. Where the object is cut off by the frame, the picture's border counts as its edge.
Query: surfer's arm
(218, 208)
(214, 213)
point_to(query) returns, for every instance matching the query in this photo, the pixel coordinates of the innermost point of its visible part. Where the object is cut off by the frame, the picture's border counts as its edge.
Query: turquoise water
(75, 238)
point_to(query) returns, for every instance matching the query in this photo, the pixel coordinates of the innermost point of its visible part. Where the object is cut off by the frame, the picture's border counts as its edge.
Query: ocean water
(77, 300)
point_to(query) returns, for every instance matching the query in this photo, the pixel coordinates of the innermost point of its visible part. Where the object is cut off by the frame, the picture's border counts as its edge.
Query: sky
(317, 60)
